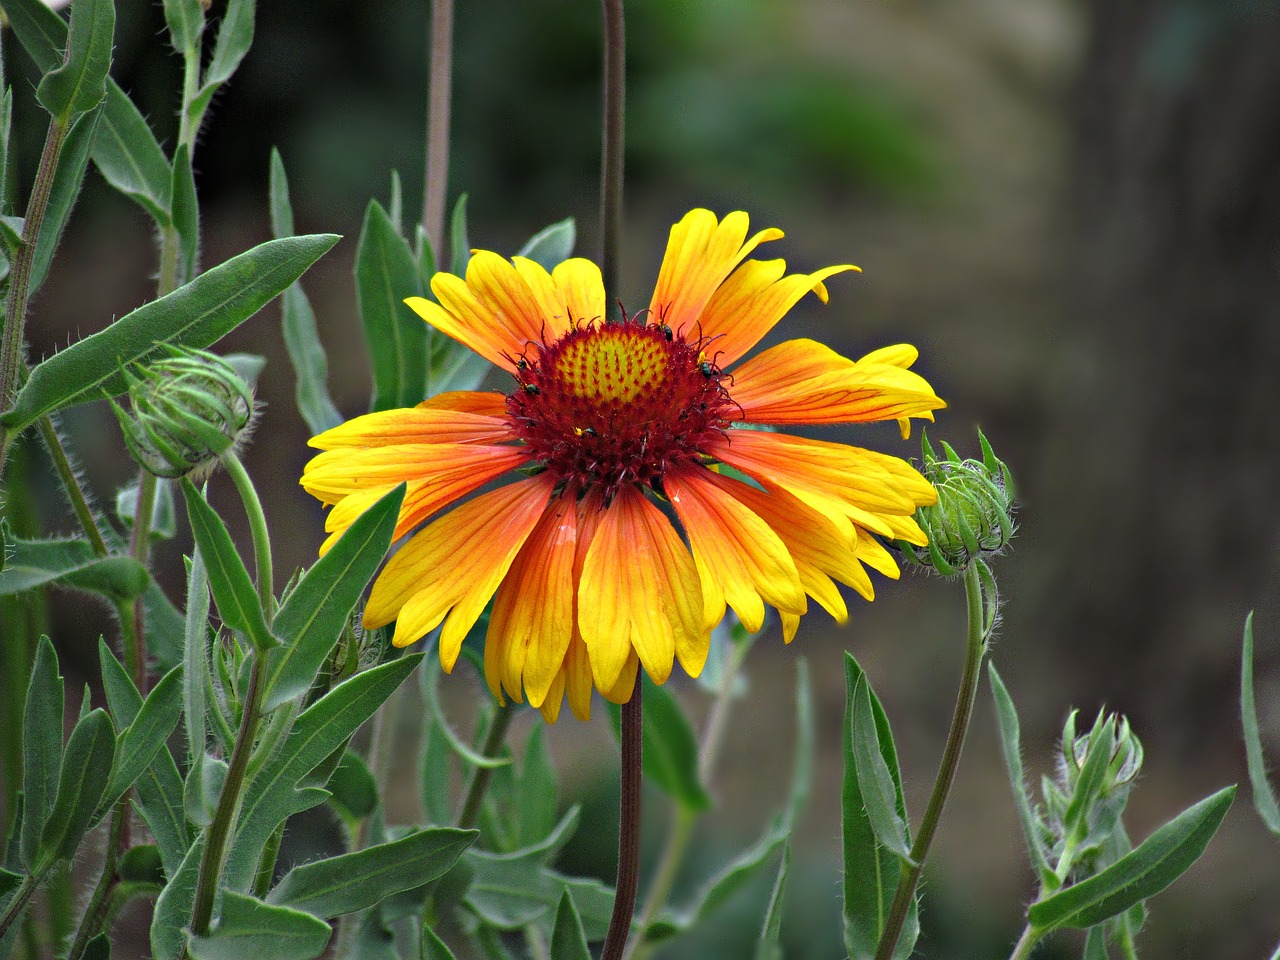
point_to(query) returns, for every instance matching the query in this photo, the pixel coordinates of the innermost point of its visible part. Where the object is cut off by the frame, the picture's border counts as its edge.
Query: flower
(609, 422)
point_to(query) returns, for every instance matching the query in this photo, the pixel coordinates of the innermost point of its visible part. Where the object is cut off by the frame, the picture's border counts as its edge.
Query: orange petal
(739, 557)
(480, 402)
(414, 425)
(459, 315)
(454, 565)
(700, 254)
(335, 474)
(577, 677)
(532, 619)
(501, 289)
(639, 591)
(572, 293)
(554, 700)
(621, 691)
(752, 301)
(802, 381)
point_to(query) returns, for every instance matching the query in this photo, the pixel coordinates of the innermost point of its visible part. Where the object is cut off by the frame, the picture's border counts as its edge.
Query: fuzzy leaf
(195, 315)
(248, 927)
(129, 157)
(185, 19)
(82, 781)
(41, 748)
(1264, 797)
(235, 36)
(67, 180)
(81, 82)
(72, 563)
(386, 274)
(141, 741)
(1010, 746)
(173, 907)
(185, 214)
(879, 797)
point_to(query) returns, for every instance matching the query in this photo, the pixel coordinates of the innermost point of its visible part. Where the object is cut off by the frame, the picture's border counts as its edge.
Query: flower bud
(188, 409)
(973, 518)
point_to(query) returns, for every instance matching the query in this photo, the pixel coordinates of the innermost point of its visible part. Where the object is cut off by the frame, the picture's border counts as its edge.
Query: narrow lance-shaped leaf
(173, 907)
(768, 948)
(80, 83)
(568, 940)
(356, 881)
(82, 781)
(1011, 747)
(538, 790)
(195, 315)
(233, 591)
(235, 36)
(551, 245)
(6, 121)
(67, 180)
(185, 19)
(249, 927)
(186, 214)
(874, 782)
(1264, 797)
(142, 740)
(314, 614)
(460, 247)
(431, 947)
(41, 748)
(72, 563)
(1153, 865)
(301, 339)
(386, 274)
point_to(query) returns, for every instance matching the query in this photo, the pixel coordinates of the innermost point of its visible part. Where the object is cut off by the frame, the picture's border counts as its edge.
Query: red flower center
(616, 403)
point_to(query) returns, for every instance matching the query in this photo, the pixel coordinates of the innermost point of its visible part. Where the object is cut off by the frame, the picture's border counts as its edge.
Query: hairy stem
(1026, 943)
(439, 97)
(615, 54)
(98, 910)
(257, 528)
(470, 812)
(140, 549)
(19, 901)
(71, 484)
(910, 877)
(624, 900)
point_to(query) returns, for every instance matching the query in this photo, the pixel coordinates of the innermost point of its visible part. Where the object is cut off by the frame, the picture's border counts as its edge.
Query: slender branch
(257, 528)
(624, 900)
(71, 484)
(439, 96)
(1026, 943)
(615, 56)
(20, 897)
(219, 830)
(910, 877)
(480, 779)
(98, 910)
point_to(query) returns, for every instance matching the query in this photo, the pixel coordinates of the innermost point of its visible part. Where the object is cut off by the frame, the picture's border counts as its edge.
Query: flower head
(616, 427)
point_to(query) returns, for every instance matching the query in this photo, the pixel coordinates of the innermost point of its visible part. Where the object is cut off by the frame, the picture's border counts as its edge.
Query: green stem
(15, 308)
(910, 876)
(624, 900)
(470, 812)
(267, 864)
(140, 549)
(257, 529)
(439, 97)
(224, 817)
(20, 897)
(615, 55)
(1026, 943)
(71, 484)
(98, 910)
(187, 124)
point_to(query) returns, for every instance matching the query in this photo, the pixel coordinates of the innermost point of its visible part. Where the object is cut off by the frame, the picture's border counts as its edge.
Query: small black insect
(588, 432)
(531, 389)
(522, 364)
(708, 371)
(666, 332)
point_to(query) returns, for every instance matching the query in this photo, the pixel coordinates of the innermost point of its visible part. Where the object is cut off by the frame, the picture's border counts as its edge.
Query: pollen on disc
(615, 365)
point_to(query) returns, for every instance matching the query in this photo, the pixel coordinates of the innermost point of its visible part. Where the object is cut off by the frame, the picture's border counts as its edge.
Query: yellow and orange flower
(608, 421)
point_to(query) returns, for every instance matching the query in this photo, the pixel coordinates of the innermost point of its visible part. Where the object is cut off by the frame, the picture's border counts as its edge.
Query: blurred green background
(1072, 208)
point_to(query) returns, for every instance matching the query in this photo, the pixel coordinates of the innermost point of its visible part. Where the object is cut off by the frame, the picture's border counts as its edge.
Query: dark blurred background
(1072, 208)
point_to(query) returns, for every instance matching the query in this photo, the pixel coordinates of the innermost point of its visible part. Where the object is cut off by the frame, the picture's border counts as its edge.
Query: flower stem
(470, 812)
(224, 816)
(439, 96)
(615, 55)
(257, 528)
(624, 900)
(910, 876)
(15, 308)
(1026, 943)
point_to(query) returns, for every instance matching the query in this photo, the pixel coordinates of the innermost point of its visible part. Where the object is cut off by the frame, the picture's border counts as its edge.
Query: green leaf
(768, 947)
(327, 724)
(310, 366)
(82, 781)
(249, 927)
(41, 748)
(185, 213)
(460, 247)
(233, 590)
(385, 274)
(568, 940)
(739, 872)
(315, 613)
(426, 258)
(6, 125)
(352, 787)
(42, 33)
(436, 768)
(879, 797)
(538, 789)
(1264, 797)
(431, 947)
(1011, 747)
(356, 881)
(164, 524)
(203, 787)
(81, 82)
(164, 627)
(870, 870)
(669, 751)
(129, 157)
(140, 742)
(159, 789)
(172, 912)
(195, 315)
(395, 206)
(67, 180)
(185, 19)
(99, 948)
(71, 563)
(551, 245)
(235, 36)
(142, 864)
(1095, 945)
(1153, 865)
(456, 743)
(195, 657)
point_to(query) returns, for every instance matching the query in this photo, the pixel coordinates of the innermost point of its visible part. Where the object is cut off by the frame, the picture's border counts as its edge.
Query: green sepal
(233, 590)
(356, 881)
(83, 779)
(1153, 865)
(71, 563)
(41, 749)
(312, 618)
(195, 315)
(248, 927)
(298, 321)
(81, 82)
(551, 245)
(385, 274)
(68, 178)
